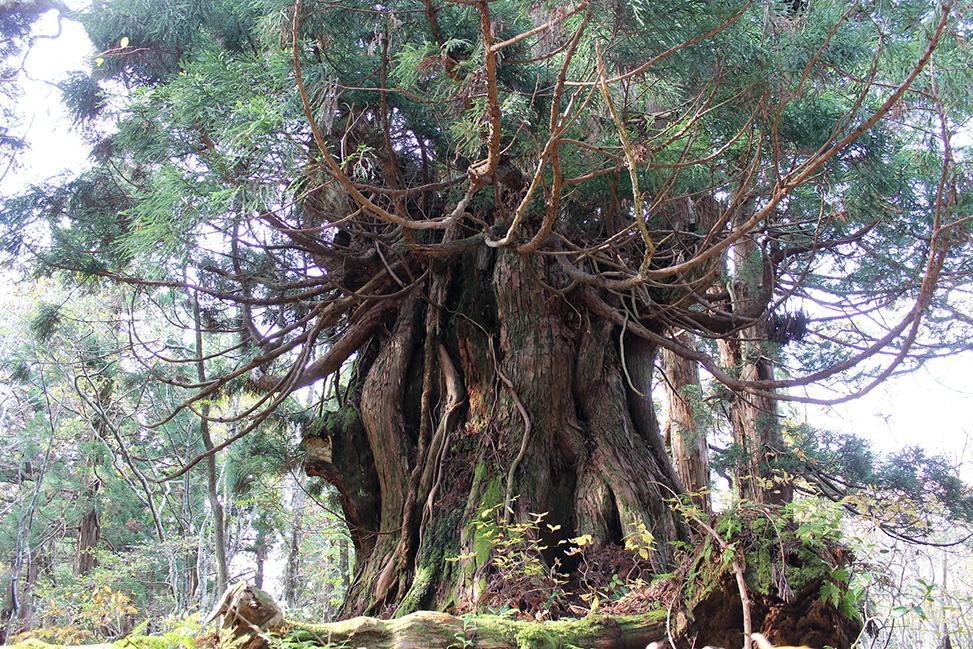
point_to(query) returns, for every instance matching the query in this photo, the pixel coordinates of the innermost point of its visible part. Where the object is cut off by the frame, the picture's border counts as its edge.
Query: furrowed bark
(755, 419)
(687, 441)
(529, 405)
(89, 533)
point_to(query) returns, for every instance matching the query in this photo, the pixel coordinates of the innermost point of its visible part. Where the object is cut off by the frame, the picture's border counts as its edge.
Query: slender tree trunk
(687, 439)
(219, 521)
(292, 571)
(89, 533)
(754, 418)
(945, 641)
(191, 556)
(23, 570)
(530, 411)
(27, 600)
(260, 551)
(212, 483)
(201, 567)
(89, 527)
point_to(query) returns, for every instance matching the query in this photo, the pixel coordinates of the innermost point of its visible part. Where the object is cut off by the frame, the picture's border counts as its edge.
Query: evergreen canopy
(628, 144)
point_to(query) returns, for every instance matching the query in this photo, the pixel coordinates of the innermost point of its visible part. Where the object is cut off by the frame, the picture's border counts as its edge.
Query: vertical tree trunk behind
(292, 570)
(188, 595)
(260, 551)
(687, 439)
(755, 419)
(344, 563)
(89, 533)
(212, 486)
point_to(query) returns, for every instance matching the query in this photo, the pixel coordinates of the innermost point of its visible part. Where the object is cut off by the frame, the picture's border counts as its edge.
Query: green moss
(486, 493)
(763, 539)
(812, 568)
(433, 571)
(809, 567)
(481, 537)
(420, 586)
(333, 422)
(536, 637)
(492, 495)
(704, 572)
(564, 634)
(438, 629)
(760, 570)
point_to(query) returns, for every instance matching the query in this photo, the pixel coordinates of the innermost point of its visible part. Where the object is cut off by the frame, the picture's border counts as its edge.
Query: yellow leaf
(123, 42)
(99, 60)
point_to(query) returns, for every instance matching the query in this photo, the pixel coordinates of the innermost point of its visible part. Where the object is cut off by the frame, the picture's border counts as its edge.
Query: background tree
(685, 429)
(91, 541)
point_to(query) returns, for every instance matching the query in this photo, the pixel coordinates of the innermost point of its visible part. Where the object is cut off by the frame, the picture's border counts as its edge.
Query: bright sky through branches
(929, 408)
(53, 146)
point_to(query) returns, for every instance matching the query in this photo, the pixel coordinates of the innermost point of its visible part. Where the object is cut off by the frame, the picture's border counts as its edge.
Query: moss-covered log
(428, 630)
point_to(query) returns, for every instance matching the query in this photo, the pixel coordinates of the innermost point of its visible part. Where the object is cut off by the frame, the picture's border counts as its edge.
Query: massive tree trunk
(488, 389)
(687, 439)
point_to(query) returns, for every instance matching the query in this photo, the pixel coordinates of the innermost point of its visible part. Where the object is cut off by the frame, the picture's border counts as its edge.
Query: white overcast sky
(930, 408)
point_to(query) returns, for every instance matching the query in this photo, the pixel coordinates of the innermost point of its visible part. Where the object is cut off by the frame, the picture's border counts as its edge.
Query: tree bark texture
(687, 439)
(486, 389)
(89, 533)
(755, 419)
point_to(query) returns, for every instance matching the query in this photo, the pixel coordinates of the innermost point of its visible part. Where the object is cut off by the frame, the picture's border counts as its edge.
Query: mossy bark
(488, 387)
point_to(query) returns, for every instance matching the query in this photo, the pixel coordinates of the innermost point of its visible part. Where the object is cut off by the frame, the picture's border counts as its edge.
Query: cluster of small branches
(293, 187)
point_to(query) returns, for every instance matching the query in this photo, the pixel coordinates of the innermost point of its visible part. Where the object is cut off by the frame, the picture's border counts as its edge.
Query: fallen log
(429, 630)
